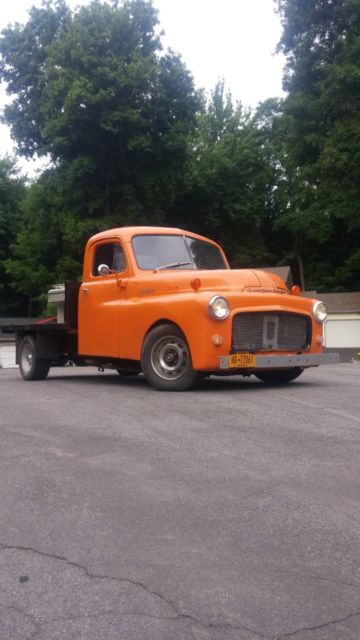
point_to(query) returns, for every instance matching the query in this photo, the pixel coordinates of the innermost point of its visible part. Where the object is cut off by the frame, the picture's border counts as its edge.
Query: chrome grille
(266, 332)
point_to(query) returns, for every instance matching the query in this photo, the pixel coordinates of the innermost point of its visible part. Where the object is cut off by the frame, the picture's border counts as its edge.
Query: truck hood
(244, 280)
(220, 280)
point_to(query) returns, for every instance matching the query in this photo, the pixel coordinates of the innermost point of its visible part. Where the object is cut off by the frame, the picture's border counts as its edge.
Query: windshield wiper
(172, 265)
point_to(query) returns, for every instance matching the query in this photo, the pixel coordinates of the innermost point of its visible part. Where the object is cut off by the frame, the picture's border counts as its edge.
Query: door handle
(84, 289)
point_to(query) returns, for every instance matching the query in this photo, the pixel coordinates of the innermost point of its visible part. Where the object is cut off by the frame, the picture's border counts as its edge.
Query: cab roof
(127, 233)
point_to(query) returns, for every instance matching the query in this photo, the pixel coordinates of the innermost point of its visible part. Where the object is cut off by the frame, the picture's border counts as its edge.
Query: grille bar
(267, 331)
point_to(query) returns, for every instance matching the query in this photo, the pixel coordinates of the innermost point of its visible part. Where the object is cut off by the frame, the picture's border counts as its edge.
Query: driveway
(226, 513)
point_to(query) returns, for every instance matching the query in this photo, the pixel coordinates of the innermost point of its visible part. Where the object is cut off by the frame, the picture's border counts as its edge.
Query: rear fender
(47, 346)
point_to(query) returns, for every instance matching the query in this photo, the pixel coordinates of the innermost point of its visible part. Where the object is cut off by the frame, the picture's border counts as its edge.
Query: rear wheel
(166, 359)
(31, 366)
(279, 376)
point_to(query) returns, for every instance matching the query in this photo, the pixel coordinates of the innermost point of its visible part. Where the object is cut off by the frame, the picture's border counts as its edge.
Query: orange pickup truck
(165, 302)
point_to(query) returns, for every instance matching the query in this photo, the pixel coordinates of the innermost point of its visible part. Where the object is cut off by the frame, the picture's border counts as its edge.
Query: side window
(112, 255)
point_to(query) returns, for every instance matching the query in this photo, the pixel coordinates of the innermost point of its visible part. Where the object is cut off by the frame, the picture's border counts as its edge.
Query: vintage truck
(165, 302)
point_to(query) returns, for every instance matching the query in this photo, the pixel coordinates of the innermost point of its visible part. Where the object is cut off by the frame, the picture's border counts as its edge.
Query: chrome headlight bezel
(219, 308)
(320, 312)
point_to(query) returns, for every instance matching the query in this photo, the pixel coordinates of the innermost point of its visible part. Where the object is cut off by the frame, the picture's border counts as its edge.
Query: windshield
(176, 252)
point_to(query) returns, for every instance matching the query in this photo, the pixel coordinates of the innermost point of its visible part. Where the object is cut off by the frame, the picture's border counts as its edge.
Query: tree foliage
(229, 181)
(12, 192)
(95, 92)
(39, 256)
(321, 39)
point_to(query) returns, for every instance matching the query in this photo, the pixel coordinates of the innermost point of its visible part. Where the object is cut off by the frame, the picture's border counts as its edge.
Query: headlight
(219, 308)
(320, 311)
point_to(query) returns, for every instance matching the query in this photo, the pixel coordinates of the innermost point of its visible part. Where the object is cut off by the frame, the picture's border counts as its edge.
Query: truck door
(100, 299)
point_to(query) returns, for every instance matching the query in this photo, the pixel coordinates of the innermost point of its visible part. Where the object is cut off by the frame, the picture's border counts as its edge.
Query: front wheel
(31, 366)
(279, 376)
(166, 359)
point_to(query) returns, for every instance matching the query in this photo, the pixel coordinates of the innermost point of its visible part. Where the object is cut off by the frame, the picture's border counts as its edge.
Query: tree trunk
(301, 270)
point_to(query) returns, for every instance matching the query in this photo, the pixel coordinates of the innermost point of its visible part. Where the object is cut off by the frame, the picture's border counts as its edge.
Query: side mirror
(103, 270)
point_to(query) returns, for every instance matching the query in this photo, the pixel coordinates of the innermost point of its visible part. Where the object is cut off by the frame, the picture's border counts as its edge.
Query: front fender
(188, 312)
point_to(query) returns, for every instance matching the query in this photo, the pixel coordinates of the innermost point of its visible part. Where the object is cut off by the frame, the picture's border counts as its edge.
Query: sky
(230, 39)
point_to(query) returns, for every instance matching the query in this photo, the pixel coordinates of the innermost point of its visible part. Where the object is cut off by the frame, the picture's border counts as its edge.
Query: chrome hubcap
(170, 357)
(26, 358)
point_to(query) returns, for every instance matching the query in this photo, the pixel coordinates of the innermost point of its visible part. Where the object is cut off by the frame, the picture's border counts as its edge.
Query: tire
(279, 376)
(166, 359)
(31, 367)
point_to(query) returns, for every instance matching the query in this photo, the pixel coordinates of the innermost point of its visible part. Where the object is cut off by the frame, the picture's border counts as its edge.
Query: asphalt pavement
(226, 513)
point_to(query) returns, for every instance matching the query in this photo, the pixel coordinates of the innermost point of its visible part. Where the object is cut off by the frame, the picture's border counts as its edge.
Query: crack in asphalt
(317, 627)
(178, 615)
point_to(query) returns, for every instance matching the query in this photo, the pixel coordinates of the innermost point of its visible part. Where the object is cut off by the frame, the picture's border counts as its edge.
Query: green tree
(95, 91)
(32, 263)
(12, 192)
(321, 40)
(229, 181)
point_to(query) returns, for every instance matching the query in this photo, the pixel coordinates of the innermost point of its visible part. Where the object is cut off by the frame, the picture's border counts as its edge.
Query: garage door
(342, 333)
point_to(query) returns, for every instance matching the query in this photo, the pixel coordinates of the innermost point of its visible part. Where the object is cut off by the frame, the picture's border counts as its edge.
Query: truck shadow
(213, 383)
(252, 384)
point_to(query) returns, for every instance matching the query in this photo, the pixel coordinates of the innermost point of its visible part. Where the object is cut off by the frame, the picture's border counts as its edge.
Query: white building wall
(7, 356)
(343, 331)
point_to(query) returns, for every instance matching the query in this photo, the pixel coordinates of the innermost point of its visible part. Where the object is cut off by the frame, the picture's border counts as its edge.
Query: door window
(112, 255)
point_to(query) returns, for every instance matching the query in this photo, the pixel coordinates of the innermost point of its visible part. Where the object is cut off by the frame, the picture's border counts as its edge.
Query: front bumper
(285, 361)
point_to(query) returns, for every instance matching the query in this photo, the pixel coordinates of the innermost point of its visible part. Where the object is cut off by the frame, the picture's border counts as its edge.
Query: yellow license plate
(242, 360)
